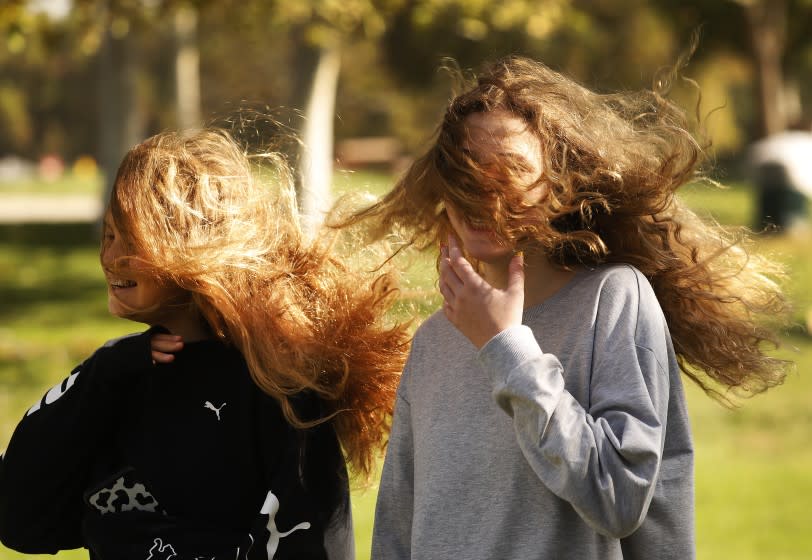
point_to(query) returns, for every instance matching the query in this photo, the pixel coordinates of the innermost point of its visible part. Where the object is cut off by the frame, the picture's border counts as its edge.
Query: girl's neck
(186, 322)
(542, 279)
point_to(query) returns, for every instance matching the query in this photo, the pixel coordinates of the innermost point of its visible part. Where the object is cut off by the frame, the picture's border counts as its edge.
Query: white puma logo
(215, 409)
(160, 550)
(270, 508)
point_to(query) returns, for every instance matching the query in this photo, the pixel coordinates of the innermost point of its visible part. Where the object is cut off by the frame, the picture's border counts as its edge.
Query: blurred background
(359, 82)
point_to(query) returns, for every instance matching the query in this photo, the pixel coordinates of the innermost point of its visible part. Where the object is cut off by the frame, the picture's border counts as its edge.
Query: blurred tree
(579, 37)
(319, 31)
(768, 28)
(121, 115)
(296, 59)
(122, 35)
(774, 37)
(15, 121)
(27, 97)
(268, 53)
(621, 44)
(187, 66)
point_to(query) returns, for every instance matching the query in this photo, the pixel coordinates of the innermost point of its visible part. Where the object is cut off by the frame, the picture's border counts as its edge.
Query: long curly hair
(199, 212)
(611, 164)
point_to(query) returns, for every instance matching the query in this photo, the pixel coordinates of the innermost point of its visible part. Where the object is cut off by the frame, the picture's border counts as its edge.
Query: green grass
(731, 205)
(754, 468)
(753, 463)
(70, 183)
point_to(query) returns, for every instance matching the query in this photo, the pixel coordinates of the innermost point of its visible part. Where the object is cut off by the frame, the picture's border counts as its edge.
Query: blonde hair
(611, 164)
(195, 213)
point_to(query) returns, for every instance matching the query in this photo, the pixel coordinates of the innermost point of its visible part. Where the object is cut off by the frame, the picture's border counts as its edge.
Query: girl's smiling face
(131, 292)
(492, 138)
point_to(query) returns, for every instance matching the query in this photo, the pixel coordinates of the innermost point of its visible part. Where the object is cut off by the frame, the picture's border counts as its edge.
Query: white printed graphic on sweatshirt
(161, 551)
(55, 393)
(215, 409)
(247, 550)
(270, 508)
(123, 496)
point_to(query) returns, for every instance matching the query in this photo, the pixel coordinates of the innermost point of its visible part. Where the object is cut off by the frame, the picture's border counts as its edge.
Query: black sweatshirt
(182, 460)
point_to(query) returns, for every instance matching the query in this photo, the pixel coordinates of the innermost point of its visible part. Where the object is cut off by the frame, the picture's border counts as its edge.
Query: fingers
(446, 292)
(166, 343)
(458, 282)
(515, 283)
(163, 346)
(445, 281)
(479, 310)
(161, 358)
(448, 276)
(459, 264)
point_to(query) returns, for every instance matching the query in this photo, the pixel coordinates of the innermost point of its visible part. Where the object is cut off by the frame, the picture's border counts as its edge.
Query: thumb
(515, 282)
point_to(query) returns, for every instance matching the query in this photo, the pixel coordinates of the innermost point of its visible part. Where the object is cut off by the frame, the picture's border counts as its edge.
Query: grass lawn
(70, 183)
(753, 463)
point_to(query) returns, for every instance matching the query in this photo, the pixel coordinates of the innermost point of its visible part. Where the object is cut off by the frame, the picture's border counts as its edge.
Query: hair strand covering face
(194, 213)
(611, 164)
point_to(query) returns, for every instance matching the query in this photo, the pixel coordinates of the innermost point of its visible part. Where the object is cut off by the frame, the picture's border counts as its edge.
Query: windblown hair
(611, 164)
(195, 213)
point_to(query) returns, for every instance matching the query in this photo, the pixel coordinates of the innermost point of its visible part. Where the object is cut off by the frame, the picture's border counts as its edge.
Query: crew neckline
(580, 272)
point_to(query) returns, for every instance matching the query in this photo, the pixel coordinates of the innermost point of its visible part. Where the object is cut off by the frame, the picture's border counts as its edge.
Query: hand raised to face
(476, 308)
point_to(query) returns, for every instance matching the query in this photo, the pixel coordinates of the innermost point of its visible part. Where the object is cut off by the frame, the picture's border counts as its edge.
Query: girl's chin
(123, 313)
(485, 246)
(118, 309)
(492, 255)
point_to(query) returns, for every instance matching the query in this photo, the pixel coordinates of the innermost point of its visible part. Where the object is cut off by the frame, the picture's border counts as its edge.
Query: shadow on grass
(55, 235)
(53, 305)
(47, 264)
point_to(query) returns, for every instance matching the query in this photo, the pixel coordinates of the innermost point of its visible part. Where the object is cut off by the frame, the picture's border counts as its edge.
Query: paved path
(47, 208)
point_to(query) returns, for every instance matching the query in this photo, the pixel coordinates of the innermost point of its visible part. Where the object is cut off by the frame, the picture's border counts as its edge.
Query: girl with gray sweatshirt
(541, 412)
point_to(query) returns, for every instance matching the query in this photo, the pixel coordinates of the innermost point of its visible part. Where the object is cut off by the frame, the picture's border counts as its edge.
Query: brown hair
(195, 213)
(611, 164)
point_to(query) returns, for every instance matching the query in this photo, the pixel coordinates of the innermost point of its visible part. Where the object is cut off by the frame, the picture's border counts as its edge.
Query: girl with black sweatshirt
(224, 429)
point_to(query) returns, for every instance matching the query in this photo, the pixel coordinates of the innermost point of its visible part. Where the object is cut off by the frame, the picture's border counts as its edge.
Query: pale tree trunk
(317, 138)
(767, 21)
(121, 120)
(187, 69)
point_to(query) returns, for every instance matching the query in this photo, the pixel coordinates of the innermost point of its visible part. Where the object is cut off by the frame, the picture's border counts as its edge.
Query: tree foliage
(262, 52)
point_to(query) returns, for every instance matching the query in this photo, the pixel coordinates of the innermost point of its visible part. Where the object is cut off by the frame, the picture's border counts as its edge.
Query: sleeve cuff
(508, 350)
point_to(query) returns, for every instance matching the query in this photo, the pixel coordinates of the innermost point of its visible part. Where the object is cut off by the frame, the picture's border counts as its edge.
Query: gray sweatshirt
(565, 437)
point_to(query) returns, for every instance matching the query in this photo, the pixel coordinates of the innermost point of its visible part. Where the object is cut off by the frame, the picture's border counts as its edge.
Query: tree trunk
(121, 121)
(187, 69)
(317, 138)
(767, 22)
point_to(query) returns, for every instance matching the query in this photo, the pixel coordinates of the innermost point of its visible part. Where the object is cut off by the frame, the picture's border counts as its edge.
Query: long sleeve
(339, 538)
(392, 533)
(603, 457)
(45, 469)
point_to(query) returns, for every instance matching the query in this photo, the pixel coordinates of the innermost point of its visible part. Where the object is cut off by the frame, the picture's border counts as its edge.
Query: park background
(358, 82)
